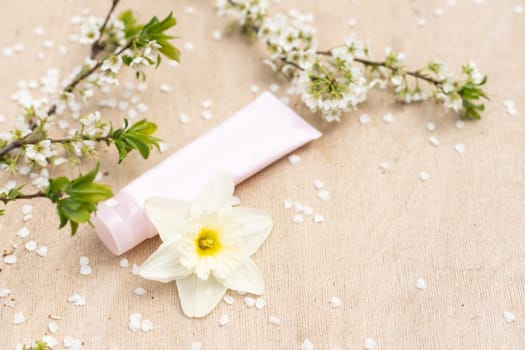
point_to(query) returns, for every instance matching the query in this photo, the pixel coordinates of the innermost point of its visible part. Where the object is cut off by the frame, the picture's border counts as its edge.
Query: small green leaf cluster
(39, 345)
(77, 199)
(138, 136)
(471, 92)
(143, 35)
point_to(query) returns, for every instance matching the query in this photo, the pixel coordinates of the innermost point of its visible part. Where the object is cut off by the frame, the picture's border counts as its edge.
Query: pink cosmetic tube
(253, 138)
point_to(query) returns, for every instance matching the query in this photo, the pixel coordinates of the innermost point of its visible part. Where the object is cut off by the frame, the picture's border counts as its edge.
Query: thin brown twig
(96, 48)
(38, 194)
(383, 64)
(52, 110)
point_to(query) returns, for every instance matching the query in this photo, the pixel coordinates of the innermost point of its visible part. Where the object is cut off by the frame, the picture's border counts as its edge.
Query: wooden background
(462, 231)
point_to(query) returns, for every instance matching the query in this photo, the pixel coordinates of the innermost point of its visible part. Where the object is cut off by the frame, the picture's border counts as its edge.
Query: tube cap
(121, 223)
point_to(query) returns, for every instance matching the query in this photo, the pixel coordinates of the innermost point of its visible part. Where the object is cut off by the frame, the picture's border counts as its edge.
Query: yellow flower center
(207, 242)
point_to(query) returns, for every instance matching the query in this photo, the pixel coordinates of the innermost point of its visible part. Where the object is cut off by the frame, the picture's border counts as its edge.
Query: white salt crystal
(274, 320)
(23, 232)
(189, 46)
(431, 126)
(249, 301)
(10, 259)
(388, 118)
(53, 327)
(38, 31)
(288, 203)
(318, 184)
(206, 114)
(85, 270)
(460, 148)
(385, 166)
(7, 51)
(298, 207)
(254, 88)
(370, 344)
(142, 87)
(352, 22)
(421, 284)
(235, 201)
(260, 303)
(438, 12)
(50, 341)
(165, 88)
(294, 159)
(19, 318)
(298, 218)
(30, 245)
(307, 345)
(27, 209)
(196, 346)
(190, 9)
(224, 320)
(509, 317)
(77, 300)
(19, 47)
(323, 195)
(460, 124)
(42, 251)
(83, 260)
(423, 176)
(228, 299)
(4, 292)
(364, 119)
(134, 269)
(433, 141)
(421, 22)
(206, 104)
(307, 210)
(124, 263)
(134, 322)
(72, 343)
(146, 325)
(139, 291)
(510, 107)
(274, 88)
(216, 35)
(184, 118)
(518, 9)
(335, 302)
(318, 218)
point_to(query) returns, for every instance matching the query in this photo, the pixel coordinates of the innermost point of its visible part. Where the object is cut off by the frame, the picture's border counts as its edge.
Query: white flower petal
(164, 264)
(216, 195)
(199, 297)
(168, 216)
(247, 278)
(256, 227)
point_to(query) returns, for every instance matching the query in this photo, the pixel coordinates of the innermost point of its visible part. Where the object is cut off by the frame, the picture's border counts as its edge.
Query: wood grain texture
(463, 230)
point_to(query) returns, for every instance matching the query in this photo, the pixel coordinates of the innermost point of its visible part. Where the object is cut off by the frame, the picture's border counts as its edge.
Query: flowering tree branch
(123, 41)
(330, 81)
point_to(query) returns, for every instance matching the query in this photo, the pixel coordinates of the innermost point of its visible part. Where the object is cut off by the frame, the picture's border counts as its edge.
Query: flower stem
(366, 62)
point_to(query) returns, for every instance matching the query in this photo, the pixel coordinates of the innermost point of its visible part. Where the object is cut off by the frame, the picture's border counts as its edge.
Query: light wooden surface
(462, 231)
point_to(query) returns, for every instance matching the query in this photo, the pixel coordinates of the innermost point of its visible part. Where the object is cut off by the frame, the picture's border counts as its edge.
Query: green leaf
(131, 28)
(77, 199)
(138, 136)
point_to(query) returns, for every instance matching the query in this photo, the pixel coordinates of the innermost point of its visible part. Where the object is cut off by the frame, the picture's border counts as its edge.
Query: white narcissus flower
(206, 246)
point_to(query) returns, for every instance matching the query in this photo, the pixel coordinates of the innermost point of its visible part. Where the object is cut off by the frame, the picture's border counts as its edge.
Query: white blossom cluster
(289, 38)
(57, 101)
(336, 81)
